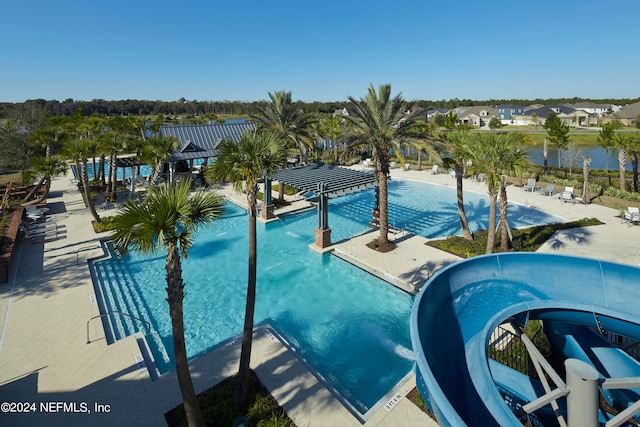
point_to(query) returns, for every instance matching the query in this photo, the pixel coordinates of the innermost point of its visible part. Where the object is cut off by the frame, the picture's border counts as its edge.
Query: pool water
(348, 325)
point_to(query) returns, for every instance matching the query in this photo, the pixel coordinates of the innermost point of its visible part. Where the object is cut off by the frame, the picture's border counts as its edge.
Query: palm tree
(460, 141)
(80, 150)
(156, 152)
(634, 148)
(289, 121)
(496, 155)
(168, 218)
(43, 169)
(423, 140)
(376, 123)
(605, 138)
(113, 143)
(622, 142)
(244, 163)
(586, 161)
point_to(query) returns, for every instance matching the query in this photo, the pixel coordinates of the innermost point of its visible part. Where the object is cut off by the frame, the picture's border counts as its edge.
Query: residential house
(477, 116)
(505, 111)
(592, 108)
(627, 115)
(569, 116)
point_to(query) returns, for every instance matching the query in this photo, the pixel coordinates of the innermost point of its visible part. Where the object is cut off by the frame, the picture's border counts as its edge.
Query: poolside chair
(631, 216)
(549, 190)
(531, 185)
(480, 177)
(44, 231)
(567, 195)
(35, 214)
(367, 163)
(434, 170)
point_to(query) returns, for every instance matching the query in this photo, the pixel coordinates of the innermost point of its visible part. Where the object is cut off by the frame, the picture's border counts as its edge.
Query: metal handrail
(147, 323)
(413, 279)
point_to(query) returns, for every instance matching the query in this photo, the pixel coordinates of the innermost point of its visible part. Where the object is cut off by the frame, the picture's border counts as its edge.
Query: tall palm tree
(605, 138)
(634, 148)
(289, 121)
(156, 152)
(244, 163)
(460, 141)
(622, 142)
(496, 155)
(80, 150)
(113, 143)
(43, 169)
(168, 218)
(378, 123)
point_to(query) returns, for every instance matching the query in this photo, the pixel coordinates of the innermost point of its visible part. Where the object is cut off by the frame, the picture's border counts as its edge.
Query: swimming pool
(348, 325)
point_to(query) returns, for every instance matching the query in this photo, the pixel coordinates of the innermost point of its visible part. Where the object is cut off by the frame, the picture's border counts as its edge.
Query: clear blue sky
(319, 50)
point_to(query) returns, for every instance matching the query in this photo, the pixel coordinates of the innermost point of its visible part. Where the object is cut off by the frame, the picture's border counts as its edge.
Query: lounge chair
(631, 215)
(367, 163)
(35, 214)
(434, 170)
(567, 195)
(44, 232)
(549, 190)
(481, 177)
(531, 185)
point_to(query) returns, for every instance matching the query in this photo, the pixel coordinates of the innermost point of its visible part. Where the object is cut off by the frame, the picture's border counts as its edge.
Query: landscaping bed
(218, 409)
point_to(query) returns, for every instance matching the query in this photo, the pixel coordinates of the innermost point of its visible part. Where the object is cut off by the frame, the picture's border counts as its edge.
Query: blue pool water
(348, 325)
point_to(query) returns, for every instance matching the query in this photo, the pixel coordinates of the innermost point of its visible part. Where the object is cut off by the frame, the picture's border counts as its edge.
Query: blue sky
(319, 50)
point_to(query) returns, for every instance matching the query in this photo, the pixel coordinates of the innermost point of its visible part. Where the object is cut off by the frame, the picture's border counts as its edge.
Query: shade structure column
(267, 207)
(323, 232)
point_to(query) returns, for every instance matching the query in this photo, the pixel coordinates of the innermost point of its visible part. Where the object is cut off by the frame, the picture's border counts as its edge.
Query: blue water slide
(460, 306)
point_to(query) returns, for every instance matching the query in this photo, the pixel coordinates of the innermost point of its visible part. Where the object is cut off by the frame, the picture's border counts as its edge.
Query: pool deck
(44, 310)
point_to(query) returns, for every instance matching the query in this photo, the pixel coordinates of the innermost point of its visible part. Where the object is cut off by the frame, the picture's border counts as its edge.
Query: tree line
(183, 106)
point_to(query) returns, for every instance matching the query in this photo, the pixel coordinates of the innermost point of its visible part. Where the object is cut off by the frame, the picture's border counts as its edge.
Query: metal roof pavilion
(201, 141)
(337, 180)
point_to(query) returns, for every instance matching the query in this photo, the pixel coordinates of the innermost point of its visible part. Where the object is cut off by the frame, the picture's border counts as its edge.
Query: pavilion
(324, 181)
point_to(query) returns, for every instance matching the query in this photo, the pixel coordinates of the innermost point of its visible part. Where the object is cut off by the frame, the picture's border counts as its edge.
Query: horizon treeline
(243, 108)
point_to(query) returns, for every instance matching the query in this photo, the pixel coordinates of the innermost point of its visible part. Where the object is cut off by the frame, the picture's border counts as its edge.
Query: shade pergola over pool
(324, 181)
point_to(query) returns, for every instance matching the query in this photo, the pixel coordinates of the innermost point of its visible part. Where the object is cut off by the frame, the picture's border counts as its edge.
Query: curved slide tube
(460, 306)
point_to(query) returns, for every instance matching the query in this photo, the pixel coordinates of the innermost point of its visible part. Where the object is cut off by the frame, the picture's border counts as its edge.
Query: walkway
(44, 311)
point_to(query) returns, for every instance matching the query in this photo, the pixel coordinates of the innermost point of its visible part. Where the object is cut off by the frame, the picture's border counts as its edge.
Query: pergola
(324, 181)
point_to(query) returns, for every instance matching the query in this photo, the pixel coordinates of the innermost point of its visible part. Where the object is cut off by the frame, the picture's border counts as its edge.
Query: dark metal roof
(201, 141)
(338, 180)
(128, 162)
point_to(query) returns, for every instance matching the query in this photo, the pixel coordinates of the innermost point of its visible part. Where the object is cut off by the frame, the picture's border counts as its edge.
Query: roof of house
(201, 141)
(630, 111)
(510, 106)
(580, 105)
(544, 111)
(475, 110)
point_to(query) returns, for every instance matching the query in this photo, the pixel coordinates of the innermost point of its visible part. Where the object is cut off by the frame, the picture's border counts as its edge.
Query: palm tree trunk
(585, 174)
(242, 386)
(35, 189)
(491, 230)
(622, 161)
(634, 167)
(383, 239)
(175, 298)
(466, 233)
(545, 151)
(504, 224)
(87, 192)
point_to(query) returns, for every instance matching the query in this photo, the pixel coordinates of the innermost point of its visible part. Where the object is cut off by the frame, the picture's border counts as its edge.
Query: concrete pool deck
(44, 310)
